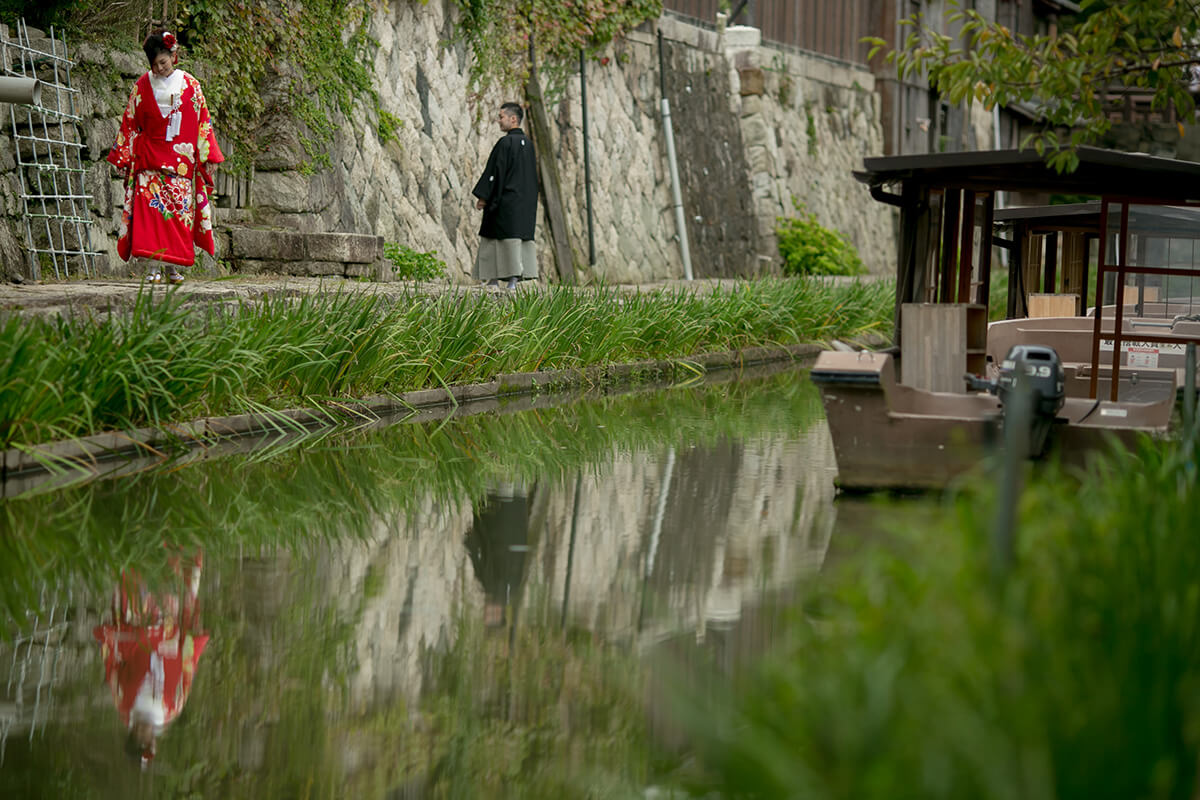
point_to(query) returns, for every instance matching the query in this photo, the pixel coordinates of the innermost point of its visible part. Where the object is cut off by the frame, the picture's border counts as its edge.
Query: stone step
(261, 250)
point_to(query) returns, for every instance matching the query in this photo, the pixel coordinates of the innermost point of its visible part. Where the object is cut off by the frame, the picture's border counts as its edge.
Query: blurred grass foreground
(916, 671)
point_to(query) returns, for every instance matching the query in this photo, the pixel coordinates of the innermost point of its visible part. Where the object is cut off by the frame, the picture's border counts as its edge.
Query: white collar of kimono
(168, 90)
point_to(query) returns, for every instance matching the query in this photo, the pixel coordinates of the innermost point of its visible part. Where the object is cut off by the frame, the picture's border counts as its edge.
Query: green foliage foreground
(165, 363)
(915, 672)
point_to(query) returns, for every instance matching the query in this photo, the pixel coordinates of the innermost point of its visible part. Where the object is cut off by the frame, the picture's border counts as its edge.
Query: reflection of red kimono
(166, 212)
(151, 647)
(152, 664)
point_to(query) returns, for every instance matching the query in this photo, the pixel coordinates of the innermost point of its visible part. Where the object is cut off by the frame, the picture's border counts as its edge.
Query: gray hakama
(499, 259)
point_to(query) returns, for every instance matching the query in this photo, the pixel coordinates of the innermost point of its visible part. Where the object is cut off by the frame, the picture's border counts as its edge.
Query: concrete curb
(88, 452)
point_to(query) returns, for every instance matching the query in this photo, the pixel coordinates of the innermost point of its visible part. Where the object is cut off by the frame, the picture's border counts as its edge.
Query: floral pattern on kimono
(166, 212)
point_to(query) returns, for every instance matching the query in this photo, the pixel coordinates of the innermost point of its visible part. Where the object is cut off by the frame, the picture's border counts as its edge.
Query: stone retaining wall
(754, 127)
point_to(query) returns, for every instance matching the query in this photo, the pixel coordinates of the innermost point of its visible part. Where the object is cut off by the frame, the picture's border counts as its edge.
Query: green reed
(915, 671)
(163, 362)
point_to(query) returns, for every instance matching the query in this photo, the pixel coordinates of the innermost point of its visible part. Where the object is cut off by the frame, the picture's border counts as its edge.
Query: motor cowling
(1037, 371)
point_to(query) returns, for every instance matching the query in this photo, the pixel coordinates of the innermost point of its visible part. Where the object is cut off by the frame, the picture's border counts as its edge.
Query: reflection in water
(151, 645)
(359, 580)
(498, 543)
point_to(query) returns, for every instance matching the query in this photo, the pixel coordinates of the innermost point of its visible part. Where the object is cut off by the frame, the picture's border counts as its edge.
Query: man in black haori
(507, 194)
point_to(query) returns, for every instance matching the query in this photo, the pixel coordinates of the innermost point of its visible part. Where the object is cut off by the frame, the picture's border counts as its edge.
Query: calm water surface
(490, 606)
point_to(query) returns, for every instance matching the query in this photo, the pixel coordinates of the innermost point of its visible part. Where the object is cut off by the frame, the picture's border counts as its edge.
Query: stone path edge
(87, 451)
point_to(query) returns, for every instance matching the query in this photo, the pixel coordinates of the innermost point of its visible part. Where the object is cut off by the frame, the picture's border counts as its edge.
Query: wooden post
(950, 216)
(1015, 261)
(983, 294)
(1050, 277)
(1031, 262)
(966, 250)
(556, 220)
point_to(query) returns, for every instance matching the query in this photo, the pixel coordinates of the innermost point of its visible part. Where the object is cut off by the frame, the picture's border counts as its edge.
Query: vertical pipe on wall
(672, 164)
(587, 160)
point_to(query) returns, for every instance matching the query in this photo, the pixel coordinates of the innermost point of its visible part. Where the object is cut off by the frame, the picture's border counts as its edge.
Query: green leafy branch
(1066, 77)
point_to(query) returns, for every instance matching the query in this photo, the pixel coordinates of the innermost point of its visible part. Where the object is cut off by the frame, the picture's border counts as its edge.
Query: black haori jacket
(509, 185)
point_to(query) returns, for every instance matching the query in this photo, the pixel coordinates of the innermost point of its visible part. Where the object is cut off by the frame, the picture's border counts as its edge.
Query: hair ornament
(169, 41)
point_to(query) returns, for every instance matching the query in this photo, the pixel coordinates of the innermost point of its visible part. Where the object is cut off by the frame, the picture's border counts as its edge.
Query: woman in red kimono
(165, 145)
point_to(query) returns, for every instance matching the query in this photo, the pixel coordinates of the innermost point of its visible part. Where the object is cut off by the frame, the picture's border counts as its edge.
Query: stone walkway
(48, 298)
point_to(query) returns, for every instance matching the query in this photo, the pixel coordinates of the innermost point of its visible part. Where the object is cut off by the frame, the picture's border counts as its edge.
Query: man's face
(507, 120)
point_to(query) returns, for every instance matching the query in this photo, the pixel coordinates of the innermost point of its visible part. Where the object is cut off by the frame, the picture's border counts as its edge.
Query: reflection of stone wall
(336, 632)
(737, 520)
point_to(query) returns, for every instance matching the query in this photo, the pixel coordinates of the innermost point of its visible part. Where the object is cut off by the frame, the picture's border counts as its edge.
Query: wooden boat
(910, 418)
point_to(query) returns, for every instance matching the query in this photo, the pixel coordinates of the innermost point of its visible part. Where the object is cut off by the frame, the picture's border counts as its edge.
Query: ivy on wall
(307, 59)
(498, 32)
(313, 54)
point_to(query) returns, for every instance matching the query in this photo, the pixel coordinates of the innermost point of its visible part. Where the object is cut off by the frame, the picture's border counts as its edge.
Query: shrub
(809, 248)
(411, 265)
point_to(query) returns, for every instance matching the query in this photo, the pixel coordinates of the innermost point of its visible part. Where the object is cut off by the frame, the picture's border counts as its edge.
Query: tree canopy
(1067, 75)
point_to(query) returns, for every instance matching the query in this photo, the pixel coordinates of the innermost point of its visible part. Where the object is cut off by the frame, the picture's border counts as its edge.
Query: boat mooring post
(1189, 397)
(1018, 419)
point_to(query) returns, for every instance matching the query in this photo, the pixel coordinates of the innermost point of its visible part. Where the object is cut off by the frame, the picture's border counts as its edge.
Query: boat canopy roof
(1173, 222)
(1101, 172)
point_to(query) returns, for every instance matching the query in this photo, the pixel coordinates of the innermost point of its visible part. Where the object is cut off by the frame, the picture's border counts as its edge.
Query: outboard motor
(1035, 370)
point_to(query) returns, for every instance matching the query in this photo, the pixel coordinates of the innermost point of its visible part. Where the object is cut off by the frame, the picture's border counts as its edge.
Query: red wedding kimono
(166, 213)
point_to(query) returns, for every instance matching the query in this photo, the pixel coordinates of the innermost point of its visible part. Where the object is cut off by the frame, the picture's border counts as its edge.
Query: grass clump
(915, 671)
(165, 363)
(809, 248)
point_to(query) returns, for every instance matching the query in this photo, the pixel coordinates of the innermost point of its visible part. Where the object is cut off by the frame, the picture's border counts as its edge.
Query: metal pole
(1189, 397)
(587, 160)
(676, 196)
(571, 549)
(656, 533)
(20, 90)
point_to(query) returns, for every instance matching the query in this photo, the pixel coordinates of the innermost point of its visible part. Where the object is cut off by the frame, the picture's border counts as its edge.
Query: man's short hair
(514, 109)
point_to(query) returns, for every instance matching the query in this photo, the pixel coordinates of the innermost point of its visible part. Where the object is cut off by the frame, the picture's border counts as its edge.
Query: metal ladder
(47, 144)
(34, 669)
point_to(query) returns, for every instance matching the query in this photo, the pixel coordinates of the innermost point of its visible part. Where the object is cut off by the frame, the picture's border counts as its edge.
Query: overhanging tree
(1148, 45)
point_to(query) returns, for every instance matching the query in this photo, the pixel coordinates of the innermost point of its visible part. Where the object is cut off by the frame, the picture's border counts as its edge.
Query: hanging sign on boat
(1143, 354)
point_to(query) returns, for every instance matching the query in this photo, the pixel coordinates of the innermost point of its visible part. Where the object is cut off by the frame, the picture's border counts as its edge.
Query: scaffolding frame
(48, 148)
(35, 660)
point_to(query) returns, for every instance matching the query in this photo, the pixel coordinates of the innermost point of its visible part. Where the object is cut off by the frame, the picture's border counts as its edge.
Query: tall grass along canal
(164, 362)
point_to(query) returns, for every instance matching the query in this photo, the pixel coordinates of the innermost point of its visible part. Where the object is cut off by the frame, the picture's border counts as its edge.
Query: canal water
(489, 606)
